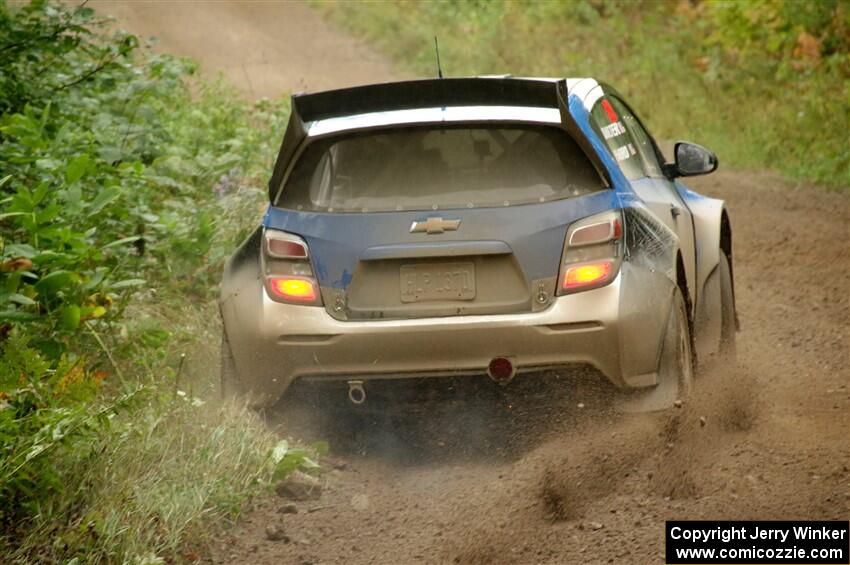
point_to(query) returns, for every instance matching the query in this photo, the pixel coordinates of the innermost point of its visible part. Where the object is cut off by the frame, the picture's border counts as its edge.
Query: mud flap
(708, 319)
(675, 366)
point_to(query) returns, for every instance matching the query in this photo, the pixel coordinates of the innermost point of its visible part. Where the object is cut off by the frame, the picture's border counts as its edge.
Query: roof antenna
(437, 49)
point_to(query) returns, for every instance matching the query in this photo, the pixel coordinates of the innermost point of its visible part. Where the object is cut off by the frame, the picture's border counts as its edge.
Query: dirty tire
(675, 367)
(728, 325)
(231, 387)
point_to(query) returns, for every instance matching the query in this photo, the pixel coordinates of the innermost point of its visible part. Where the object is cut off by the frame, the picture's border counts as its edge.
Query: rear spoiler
(427, 93)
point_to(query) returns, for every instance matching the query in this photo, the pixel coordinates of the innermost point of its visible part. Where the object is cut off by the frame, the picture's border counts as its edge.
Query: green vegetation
(122, 188)
(765, 84)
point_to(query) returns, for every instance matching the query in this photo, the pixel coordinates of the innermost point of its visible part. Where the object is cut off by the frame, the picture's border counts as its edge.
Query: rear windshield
(438, 167)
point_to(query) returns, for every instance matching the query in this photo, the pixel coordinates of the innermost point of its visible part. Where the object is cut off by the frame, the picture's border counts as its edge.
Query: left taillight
(293, 289)
(592, 252)
(287, 271)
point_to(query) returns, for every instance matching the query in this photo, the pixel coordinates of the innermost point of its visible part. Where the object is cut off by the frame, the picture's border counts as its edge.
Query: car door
(638, 157)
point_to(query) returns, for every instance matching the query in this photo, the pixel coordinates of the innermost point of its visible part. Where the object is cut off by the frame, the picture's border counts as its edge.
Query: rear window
(438, 167)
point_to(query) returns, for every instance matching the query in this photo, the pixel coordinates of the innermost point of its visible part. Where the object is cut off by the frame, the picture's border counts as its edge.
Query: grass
(157, 486)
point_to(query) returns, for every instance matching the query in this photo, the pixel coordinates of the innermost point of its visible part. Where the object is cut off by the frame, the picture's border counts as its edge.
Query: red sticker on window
(612, 115)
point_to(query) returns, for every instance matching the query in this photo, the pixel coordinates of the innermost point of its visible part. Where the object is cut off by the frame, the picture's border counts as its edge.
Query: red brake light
(587, 274)
(285, 248)
(299, 289)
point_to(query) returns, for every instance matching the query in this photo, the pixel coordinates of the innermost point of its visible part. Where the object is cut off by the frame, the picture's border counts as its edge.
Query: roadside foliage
(124, 182)
(764, 84)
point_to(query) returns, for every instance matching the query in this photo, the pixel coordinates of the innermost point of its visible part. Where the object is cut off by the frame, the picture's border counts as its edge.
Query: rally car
(471, 226)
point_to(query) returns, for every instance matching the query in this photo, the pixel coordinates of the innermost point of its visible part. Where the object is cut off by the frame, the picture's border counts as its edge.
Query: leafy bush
(122, 190)
(111, 172)
(45, 411)
(765, 84)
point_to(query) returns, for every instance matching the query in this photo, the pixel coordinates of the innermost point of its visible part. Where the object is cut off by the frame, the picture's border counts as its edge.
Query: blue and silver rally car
(466, 226)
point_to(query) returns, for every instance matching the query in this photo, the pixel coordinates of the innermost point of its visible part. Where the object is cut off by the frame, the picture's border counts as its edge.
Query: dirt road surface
(552, 474)
(265, 48)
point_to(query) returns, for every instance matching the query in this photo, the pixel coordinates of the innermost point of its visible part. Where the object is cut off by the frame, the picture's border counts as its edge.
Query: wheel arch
(712, 236)
(240, 300)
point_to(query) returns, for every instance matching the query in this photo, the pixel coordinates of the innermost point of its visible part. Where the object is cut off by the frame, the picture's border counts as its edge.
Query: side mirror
(691, 160)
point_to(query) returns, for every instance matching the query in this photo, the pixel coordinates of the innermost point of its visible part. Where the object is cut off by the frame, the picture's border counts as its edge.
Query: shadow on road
(424, 421)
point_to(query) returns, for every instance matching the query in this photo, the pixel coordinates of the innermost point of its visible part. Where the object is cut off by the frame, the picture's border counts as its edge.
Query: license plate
(438, 281)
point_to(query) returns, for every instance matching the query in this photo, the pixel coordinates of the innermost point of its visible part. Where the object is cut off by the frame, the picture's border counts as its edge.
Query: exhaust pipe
(501, 370)
(356, 393)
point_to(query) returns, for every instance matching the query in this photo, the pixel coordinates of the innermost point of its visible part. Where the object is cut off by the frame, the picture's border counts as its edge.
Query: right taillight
(287, 271)
(592, 252)
(587, 274)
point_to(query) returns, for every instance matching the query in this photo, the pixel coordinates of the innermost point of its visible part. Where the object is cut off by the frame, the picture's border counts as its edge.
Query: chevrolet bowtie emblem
(434, 225)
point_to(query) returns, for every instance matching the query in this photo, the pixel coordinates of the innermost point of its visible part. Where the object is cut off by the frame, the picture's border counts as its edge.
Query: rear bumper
(286, 342)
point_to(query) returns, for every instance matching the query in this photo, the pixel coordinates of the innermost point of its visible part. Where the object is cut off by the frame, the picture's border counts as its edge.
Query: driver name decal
(613, 130)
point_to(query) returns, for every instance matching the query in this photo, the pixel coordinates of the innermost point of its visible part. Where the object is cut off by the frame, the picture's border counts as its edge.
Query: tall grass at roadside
(764, 84)
(153, 486)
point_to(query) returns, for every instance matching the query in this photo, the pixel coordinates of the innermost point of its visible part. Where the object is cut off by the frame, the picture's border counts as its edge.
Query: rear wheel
(728, 325)
(230, 384)
(675, 367)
